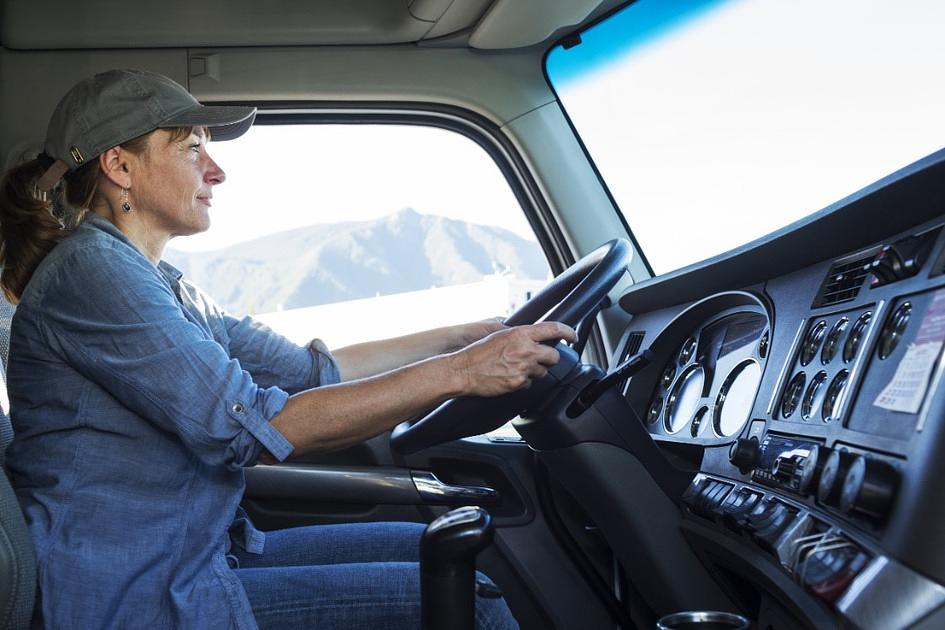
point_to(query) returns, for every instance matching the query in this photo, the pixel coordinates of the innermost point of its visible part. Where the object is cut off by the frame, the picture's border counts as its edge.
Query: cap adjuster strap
(52, 176)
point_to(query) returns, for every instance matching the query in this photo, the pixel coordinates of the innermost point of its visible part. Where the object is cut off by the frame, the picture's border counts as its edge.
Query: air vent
(843, 281)
(634, 341)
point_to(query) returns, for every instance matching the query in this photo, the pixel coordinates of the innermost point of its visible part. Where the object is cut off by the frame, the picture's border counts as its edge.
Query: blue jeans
(360, 575)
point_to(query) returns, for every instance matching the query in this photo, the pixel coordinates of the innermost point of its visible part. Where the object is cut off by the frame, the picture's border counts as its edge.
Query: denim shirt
(136, 404)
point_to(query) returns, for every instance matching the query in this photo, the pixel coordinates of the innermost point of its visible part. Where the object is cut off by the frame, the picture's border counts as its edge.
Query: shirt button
(237, 407)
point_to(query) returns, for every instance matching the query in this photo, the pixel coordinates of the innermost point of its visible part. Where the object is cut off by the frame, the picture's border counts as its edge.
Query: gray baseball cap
(113, 107)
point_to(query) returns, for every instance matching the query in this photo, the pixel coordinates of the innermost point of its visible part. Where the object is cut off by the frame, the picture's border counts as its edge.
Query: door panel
(364, 483)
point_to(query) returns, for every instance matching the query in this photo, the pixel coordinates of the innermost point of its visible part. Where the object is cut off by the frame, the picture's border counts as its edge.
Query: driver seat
(17, 561)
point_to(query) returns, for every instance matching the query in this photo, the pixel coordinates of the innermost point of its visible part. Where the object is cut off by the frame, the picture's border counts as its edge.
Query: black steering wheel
(569, 298)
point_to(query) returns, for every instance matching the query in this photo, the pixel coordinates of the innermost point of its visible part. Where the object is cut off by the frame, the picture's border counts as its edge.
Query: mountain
(320, 264)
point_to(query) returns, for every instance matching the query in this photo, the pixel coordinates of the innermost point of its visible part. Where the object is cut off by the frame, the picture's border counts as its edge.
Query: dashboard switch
(767, 525)
(832, 587)
(738, 508)
(705, 497)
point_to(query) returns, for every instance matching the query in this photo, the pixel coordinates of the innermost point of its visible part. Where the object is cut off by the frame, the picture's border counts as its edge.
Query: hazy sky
(757, 112)
(281, 177)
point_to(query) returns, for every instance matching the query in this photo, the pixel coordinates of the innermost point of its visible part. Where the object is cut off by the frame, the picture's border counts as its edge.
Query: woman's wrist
(452, 373)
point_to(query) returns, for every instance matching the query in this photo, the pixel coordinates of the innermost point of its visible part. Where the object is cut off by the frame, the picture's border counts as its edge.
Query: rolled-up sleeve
(113, 318)
(273, 359)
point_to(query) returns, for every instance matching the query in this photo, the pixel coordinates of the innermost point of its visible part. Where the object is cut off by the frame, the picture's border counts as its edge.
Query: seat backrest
(17, 561)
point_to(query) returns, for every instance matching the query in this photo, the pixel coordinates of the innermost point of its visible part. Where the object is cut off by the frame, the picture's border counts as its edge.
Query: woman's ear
(114, 166)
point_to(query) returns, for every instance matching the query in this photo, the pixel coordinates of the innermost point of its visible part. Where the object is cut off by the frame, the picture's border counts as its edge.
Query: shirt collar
(169, 271)
(94, 221)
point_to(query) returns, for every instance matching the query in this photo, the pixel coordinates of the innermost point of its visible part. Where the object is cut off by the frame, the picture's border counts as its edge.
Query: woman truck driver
(137, 402)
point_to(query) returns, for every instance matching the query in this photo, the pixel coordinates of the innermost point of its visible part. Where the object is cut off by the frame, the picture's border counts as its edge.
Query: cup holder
(703, 620)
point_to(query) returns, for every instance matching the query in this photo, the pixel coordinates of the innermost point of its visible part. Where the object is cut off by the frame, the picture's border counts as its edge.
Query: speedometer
(736, 398)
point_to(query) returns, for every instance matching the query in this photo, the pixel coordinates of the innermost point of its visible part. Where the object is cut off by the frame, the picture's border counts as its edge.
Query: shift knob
(448, 549)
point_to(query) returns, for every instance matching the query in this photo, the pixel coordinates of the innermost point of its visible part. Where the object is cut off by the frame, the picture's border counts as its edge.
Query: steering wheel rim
(568, 298)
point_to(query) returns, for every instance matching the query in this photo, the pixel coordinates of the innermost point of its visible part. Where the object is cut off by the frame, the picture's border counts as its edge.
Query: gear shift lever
(448, 550)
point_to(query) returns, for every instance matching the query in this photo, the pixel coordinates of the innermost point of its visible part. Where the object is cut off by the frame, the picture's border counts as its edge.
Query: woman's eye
(195, 147)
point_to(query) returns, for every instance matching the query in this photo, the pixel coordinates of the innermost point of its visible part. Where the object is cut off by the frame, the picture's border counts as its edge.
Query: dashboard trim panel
(887, 594)
(785, 372)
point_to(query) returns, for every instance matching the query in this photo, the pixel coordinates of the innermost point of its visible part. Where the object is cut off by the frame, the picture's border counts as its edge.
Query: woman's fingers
(548, 331)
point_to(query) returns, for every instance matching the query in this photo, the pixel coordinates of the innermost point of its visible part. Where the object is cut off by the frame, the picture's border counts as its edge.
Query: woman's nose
(214, 174)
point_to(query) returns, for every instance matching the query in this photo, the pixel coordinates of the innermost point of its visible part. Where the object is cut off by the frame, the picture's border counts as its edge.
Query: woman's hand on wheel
(508, 359)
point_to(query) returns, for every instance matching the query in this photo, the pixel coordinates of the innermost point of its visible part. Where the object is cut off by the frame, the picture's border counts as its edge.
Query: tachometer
(735, 400)
(685, 398)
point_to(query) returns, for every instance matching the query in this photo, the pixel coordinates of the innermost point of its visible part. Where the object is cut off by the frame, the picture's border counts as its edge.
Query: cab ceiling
(481, 24)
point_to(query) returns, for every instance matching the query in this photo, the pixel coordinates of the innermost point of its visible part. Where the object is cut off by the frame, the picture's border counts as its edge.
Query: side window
(359, 232)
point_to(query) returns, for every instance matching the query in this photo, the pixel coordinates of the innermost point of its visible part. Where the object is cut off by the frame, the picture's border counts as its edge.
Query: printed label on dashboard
(907, 389)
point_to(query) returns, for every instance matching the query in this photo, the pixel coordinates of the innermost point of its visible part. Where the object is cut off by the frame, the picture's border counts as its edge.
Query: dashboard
(802, 378)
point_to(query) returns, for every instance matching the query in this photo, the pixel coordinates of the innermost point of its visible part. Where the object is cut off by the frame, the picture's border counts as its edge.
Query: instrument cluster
(821, 373)
(706, 386)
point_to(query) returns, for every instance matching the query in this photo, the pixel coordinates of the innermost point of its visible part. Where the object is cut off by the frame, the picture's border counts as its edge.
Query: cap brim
(226, 122)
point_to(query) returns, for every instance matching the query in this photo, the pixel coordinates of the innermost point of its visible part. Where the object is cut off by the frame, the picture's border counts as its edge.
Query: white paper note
(907, 389)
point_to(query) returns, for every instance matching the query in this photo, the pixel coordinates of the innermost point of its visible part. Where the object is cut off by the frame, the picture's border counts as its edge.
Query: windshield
(715, 122)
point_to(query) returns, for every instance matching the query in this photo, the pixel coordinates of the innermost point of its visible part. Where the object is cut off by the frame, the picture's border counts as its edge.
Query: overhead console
(807, 387)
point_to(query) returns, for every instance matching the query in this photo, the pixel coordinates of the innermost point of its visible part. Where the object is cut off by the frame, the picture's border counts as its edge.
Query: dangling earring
(125, 206)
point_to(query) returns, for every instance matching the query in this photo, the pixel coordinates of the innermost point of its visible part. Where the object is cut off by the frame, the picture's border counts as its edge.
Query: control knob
(811, 468)
(869, 487)
(744, 454)
(832, 478)
(785, 467)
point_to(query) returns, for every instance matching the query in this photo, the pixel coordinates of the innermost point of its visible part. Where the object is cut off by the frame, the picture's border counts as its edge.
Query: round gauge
(893, 330)
(833, 395)
(857, 333)
(688, 351)
(763, 345)
(667, 377)
(733, 406)
(697, 421)
(792, 394)
(812, 341)
(684, 399)
(813, 395)
(832, 343)
(653, 413)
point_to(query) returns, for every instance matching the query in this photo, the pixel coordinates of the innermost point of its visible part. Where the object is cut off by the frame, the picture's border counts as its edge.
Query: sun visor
(521, 23)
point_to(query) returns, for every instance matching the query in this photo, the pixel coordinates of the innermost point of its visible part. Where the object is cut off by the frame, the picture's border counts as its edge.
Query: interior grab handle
(432, 490)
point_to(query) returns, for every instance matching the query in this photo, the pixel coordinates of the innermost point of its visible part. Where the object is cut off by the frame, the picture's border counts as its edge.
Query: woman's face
(175, 182)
